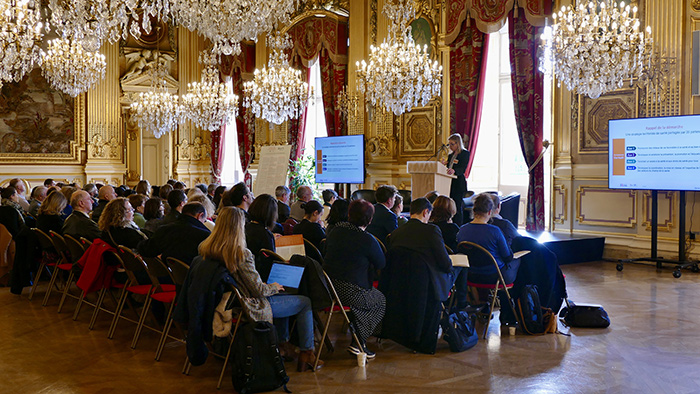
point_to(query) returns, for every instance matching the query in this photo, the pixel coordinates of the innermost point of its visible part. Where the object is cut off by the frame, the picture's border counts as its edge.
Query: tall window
(315, 125)
(231, 168)
(499, 164)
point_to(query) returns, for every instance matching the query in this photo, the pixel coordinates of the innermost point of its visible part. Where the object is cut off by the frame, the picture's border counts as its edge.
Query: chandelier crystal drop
(20, 36)
(400, 74)
(71, 69)
(228, 22)
(157, 111)
(209, 104)
(277, 92)
(593, 48)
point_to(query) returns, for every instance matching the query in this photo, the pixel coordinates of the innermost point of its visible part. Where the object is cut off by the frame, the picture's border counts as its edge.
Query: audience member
(282, 194)
(329, 197)
(432, 196)
(18, 184)
(79, 224)
(176, 200)
(171, 182)
(397, 209)
(304, 195)
(181, 239)
(508, 229)
(443, 210)
(263, 218)
(339, 213)
(220, 190)
(208, 207)
(202, 188)
(211, 189)
(353, 256)
(116, 223)
(310, 227)
(38, 196)
(179, 186)
(104, 195)
(67, 192)
(384, 220)
(165, 191)
(153, 212)
(49, 182)
(227, 245)
(91, 189)
(240, 197)
(50, 213)
(138, 202)
(143, 187)
(10, 199)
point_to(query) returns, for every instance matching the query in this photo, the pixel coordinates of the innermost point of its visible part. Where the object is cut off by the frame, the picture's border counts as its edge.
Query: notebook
(287, 275)
(289, 245)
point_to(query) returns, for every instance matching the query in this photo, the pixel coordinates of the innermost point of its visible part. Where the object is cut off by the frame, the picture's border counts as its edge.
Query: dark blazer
(125, 236)
(170, 218)
(97, 211)
(312, 232)
(353, 256)
(11, 219)
(79, 225)
(509, 231)
(383, 222)
(283, 211)
(46, 222)
(459, 184)
(179, 240)
(257, 237)
(449, 234)
(426, 239)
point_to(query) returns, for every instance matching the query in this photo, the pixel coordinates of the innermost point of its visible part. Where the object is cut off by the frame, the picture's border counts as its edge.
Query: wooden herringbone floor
(650, 348)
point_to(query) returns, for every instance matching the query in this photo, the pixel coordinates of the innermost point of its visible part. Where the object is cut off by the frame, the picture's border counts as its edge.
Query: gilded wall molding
(101, 148)
(197, 150)
(669, 222)
(594, 114)
(560, 202)
(610, 203)
(419, 131)
(373, 15)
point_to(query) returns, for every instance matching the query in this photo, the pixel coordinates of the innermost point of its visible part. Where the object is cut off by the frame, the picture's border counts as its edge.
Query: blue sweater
(491, 238)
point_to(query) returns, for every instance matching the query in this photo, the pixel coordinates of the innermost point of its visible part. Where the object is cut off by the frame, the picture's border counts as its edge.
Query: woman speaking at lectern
(457, 162)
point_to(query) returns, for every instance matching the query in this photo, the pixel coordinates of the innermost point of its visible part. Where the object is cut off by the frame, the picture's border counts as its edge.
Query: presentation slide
(654, 153)
(340, 159)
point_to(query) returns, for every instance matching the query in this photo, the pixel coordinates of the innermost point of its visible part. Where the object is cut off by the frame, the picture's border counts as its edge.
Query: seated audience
(50, 214)
(49, 183)
(263, 217)
(384, 220)
(138, 202)
(310, 227)
(264, 302)
(353, 256)
(444, 209)
(208, 207)
(165, 191)
(10, 198)
(176, 200)
(397, 209)
(180, 239)
(282, 193)
(116, 223)
(21, 193)
(143, 187)
(91, 189)
(432, 196)
(153, 212)
(38, 196)
(329, 197)
(304, 195)
(509, 231)
(220, 190)
(67, 192)
(78, 224)
(339, 213)
(105, 195)
(210, 191)
(240, 197)
(179, 185)
(202, 188)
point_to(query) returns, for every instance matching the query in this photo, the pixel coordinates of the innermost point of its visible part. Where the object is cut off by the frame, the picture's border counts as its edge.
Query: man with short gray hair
(38, 196)
(282, 194)
(304, 195)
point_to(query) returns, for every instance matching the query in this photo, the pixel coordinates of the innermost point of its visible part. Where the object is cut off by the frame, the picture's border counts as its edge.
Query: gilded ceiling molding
(373, 7)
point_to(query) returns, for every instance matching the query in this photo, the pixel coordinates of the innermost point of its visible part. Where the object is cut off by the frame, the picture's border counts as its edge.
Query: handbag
(459, 331)
(584, 315)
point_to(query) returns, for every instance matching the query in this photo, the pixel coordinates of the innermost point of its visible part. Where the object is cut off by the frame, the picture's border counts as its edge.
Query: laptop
(287, 275)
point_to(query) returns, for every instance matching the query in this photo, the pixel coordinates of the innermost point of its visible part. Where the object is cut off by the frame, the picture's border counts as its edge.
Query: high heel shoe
(306, 361)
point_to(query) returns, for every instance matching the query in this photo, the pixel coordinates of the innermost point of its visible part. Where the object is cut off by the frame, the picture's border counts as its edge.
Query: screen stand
(682, 262)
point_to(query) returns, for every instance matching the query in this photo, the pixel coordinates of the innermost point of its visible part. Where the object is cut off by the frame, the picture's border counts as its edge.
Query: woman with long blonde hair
(227, 245)
(457, 163)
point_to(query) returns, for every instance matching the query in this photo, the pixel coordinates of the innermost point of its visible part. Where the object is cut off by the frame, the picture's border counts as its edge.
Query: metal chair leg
(166, 330)
(228, 354)
(118, 312)
(98, 306)
(77, 307)
(41, 269)
(52, 282)
(65, 290)
(325, 335)
(494, 295)
(142, 319)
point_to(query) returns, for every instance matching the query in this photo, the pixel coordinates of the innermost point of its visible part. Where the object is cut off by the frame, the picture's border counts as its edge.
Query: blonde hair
(227, 242)
(53, 204)
(114, 214)
(458, 139)
(201, 198)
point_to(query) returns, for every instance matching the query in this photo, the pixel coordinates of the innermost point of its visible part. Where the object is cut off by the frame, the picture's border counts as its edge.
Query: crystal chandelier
(347, 103)
(209, 104)
(399, 74)
(593, 48)
(71, 69)
(277, 93)
(20, 35)
(157, 111)
(228, 22)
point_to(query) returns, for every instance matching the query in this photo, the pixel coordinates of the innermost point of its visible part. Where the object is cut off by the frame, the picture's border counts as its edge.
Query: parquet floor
(650, 348)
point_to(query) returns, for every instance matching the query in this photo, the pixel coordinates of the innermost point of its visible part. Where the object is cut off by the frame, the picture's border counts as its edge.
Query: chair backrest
(288, 226)
(381, 244)
(268, 253)
(132, 263)
(156, 268)
(449, 250)
(6, 248)
(86, 242)
(406, 195)
(323, 247)
(60, 245)
(75, 247)
(179, 270)
(365, 194)
(312, 251)
(479, 256)
(510, 206)
(44, 240)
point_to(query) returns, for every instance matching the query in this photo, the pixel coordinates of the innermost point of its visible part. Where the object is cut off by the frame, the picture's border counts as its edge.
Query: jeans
(285, 305)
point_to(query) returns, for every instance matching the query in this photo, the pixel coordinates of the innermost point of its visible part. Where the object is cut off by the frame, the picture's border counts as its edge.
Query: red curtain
(468, 55)
(528, 88)
(217, 153)
(333, 79)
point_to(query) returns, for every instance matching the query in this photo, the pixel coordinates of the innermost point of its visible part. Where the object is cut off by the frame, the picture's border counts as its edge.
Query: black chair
(406, 195)
(312, 251)
(510, 206)
(364, 194)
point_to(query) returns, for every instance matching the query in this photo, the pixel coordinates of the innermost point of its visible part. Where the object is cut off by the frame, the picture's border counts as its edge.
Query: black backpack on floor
(257, 364)
(534, 319)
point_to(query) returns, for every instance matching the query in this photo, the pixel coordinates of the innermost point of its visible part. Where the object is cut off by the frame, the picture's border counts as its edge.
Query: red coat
(97, 273)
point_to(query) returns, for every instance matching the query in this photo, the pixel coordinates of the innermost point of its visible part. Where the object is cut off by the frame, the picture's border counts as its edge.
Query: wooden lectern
(427, 176)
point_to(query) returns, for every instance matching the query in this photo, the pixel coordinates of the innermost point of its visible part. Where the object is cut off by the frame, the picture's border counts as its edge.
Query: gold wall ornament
(696, 5)
(184, 150)
(618, 210)
(374, 11)
(98, 148)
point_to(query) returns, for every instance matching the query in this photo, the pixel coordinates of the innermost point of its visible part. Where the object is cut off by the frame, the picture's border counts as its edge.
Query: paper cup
(511, 330)
(362, 360)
